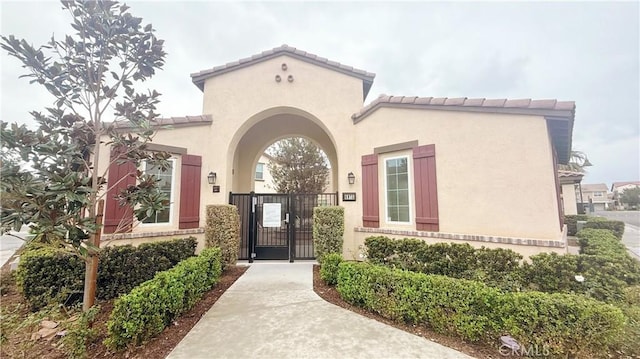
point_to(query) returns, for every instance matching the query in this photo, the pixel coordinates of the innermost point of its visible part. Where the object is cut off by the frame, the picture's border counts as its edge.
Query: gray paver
(273, 312)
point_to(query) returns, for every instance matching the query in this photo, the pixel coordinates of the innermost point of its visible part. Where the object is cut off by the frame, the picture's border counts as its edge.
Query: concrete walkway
(273, 312)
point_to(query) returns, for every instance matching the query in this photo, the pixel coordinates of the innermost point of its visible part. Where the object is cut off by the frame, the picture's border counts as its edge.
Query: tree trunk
(91, 270)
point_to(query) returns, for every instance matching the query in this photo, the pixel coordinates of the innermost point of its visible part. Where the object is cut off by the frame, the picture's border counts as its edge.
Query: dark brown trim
(165, 148)
(396, 147)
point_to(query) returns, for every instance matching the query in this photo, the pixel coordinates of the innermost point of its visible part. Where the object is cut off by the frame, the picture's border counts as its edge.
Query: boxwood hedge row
(150, 307)
(564, 324)
(48, 275)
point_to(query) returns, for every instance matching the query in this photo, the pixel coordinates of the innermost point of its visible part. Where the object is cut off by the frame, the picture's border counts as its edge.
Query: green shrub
(458, 260)
(566, 324)
(551, 272)
(48, 275)
(604, 278)
(601, 242)
(616, 227)
(572, 220)
(328, 230)
(80, 333)
(222, 230)
(154, 304)
(329, 268)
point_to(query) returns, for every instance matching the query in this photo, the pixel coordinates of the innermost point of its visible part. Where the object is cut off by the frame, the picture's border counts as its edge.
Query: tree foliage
(631, 196)
(50, 175)
(298, 166)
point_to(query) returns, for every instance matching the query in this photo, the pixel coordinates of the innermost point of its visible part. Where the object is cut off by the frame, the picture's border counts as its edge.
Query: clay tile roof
(615, 185)
(455, 101)
(198, 78)
(473, 102)
(543, 104)
(595, 187)
(518, 103)
(496, 102)
(169, 121)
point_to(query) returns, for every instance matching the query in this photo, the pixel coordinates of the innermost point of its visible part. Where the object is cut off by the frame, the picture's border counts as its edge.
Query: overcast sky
(579, 51)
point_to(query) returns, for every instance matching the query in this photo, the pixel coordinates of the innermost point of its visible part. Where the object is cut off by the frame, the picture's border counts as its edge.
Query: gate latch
(286, 218)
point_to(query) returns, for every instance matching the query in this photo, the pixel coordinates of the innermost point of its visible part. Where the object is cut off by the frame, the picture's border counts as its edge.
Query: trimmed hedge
(617, 227)
(329, 268)
(459, 260)
(154, 304)
(328, 230)
(572, 222)
(222, 230)
(476, 312)
(48, 275)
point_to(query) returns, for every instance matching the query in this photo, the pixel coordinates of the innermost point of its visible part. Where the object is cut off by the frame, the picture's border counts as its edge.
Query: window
(166, 186)
(597, 194)
(397, 189)
(260, 172)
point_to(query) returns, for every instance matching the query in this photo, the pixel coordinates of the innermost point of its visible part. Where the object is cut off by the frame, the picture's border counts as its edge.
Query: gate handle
(286, 218)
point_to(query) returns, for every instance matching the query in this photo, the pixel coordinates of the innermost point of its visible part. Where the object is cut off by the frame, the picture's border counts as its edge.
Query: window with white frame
(260, 172)
(165, 184)
(397, 189)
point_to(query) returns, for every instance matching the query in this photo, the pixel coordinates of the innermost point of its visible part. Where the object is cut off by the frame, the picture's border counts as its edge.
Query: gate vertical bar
(292, 227)
(252, 225)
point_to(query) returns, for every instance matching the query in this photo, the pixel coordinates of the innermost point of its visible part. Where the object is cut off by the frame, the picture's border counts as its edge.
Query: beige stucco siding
(569, 199)
(494, 171)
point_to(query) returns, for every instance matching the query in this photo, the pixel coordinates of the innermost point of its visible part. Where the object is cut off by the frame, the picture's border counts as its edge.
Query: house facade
(616, 191)
(482, 171)
(596, 197)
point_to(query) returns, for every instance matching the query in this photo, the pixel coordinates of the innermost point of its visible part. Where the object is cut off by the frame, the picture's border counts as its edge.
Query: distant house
(262, 177)
(570, 191)
(264, 181)
(595, 197)
(618, 187)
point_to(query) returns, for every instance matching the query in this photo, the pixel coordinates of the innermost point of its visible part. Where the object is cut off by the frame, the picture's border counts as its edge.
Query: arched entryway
(277, 226)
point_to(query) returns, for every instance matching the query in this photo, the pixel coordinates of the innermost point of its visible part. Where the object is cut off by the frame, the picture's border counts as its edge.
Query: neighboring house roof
(185, 121)
(595, 187)
(615, 185)
(198, 78)
(567, 177)
(559, 114)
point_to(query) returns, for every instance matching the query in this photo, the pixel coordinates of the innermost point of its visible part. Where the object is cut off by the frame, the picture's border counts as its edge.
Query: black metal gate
(278, 226)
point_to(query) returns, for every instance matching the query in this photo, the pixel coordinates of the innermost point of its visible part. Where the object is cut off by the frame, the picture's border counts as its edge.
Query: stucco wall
(569, 200)
(494, 171)
(495, 174)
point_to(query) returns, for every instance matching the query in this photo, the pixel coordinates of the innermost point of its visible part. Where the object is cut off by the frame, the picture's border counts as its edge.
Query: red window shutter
(424, 171)
(120, 176)
(190, 191)
(370, 202)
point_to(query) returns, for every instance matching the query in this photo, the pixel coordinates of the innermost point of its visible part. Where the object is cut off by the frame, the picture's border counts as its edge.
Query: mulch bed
(331, 295)
(158, 347)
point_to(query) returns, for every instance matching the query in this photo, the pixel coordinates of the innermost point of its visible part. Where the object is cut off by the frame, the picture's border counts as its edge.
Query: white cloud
(581, 51)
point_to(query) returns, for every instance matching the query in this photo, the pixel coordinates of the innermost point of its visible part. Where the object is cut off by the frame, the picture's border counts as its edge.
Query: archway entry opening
(278, 225)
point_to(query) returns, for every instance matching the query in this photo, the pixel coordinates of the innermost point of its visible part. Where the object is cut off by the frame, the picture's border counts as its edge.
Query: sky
(587, 52)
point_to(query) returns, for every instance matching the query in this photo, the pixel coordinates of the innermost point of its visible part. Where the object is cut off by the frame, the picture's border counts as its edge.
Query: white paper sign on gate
(271, 214)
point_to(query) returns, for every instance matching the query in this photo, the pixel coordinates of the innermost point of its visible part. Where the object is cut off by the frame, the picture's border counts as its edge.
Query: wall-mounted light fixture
(351, 177)
(211, 178)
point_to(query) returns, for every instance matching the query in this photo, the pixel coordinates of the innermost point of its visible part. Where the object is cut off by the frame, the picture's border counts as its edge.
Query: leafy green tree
(50, 175)
(298, 166)
(631, 196)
